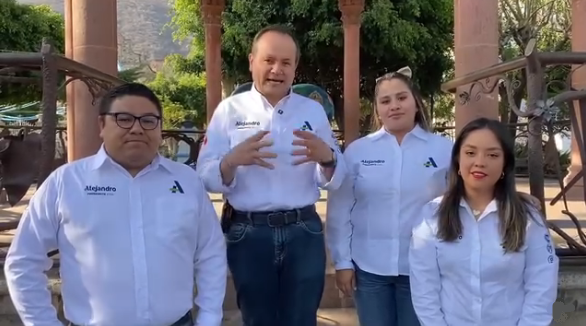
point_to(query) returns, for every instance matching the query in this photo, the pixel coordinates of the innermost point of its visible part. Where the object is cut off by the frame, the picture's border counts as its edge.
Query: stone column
(91, 39)
(351, 20)
(70, 88)
(476, 43)
(211, 11)
(578, 82)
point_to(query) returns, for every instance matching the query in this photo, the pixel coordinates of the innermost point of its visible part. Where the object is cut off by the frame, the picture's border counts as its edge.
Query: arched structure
(91, 38)
(476, 47)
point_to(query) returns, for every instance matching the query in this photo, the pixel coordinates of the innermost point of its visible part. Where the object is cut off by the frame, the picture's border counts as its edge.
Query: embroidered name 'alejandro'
(99, 190)
(244, 124)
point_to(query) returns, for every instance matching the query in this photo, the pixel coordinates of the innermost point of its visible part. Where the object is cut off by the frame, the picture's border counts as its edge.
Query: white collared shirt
(370, 217)
(256, 188)
(129, 248)
(472, 282)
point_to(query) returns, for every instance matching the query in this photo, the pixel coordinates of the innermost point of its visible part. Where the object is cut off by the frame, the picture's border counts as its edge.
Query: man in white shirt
(268, 150)
(133, 230)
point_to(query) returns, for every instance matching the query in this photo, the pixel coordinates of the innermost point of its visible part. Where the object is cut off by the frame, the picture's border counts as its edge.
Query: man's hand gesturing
(314, 149)
(248, 152)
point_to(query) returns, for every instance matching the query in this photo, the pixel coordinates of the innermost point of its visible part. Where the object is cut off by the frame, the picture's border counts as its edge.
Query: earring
(459, 172)
(502, 175)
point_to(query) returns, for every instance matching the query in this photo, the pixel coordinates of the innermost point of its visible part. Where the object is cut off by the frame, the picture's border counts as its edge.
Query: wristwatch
(331, 163)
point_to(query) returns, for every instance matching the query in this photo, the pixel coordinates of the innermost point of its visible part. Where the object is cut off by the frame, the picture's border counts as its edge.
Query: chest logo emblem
(430, 163)
(306, 126)
(176, 188)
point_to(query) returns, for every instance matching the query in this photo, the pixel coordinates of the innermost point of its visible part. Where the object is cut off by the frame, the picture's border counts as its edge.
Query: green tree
(131, 75)
(23, 29)
(394, 34)
(183, 96)
(548, 22)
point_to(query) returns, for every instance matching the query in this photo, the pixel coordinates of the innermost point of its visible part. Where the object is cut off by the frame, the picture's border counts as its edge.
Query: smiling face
(395, 106)
(127, 142)
(481, 160)
(273, 62)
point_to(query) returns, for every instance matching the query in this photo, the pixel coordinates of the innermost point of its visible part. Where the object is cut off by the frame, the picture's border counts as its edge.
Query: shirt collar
(417, 131)
(264, 100)
(492, 207)
(101, 158)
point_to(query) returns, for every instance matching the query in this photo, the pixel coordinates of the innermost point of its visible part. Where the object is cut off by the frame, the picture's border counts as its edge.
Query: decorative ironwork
(194, 142)
(478, 88)
(96, 86)
(11, 70)
(541, 112)
(49, 109)
(568, 96)
(18, 171)
(555, 85)
(574, 247)
(488, 86)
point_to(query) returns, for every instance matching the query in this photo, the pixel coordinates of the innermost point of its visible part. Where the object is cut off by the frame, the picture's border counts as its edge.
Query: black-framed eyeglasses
(127, 120)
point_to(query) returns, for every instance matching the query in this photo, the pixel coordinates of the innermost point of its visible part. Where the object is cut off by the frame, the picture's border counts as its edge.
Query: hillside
(142, 35)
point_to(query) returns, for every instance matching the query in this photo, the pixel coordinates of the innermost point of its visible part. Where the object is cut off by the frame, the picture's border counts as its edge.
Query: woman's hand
(345, 281)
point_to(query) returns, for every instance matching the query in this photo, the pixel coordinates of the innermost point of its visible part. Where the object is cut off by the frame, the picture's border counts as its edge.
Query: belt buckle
(276, 219)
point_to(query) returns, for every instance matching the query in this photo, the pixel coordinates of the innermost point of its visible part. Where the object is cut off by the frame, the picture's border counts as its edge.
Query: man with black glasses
(133, 230)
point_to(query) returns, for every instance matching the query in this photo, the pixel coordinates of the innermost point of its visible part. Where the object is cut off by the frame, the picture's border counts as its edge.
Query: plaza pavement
(576, 206)
(347, 316)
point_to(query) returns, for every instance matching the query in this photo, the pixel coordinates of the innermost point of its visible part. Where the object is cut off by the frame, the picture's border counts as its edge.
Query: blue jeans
(278, 271)
(383, 300)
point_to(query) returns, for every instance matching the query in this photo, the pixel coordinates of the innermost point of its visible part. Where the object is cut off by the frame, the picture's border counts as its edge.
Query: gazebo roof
(34, 61)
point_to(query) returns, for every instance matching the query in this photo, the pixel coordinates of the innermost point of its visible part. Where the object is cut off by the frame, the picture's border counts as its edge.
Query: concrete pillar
(70, 89)
(351, 20)
(578, 82)
(476, 42)
(211, 11)
(91, 39)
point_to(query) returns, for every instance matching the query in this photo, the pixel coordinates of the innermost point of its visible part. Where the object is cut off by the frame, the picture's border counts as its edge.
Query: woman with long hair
(482, 254)
(393, 172)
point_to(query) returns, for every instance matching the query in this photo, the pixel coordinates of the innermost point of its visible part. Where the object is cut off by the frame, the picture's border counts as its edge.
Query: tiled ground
(345, 316)
(576, 206)
(326, 317)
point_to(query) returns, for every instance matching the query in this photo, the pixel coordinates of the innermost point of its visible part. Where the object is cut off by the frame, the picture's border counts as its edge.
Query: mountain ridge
(142, 35)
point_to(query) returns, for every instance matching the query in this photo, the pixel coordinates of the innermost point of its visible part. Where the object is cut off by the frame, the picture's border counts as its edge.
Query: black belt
(183, 321)
(273, 218)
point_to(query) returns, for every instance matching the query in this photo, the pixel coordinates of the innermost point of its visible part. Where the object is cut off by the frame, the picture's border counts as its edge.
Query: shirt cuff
(208, 319)
(215, 177)
(344, 265)
(336, 181)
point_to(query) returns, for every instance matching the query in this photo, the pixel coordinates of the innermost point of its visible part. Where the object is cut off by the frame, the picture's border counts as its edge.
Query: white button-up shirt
(371, 216)
(129, 248)
(472, 282)
(256, 188)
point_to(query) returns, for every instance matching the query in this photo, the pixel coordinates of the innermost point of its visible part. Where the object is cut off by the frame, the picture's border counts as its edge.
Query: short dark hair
(128, 89)
(281, 29)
